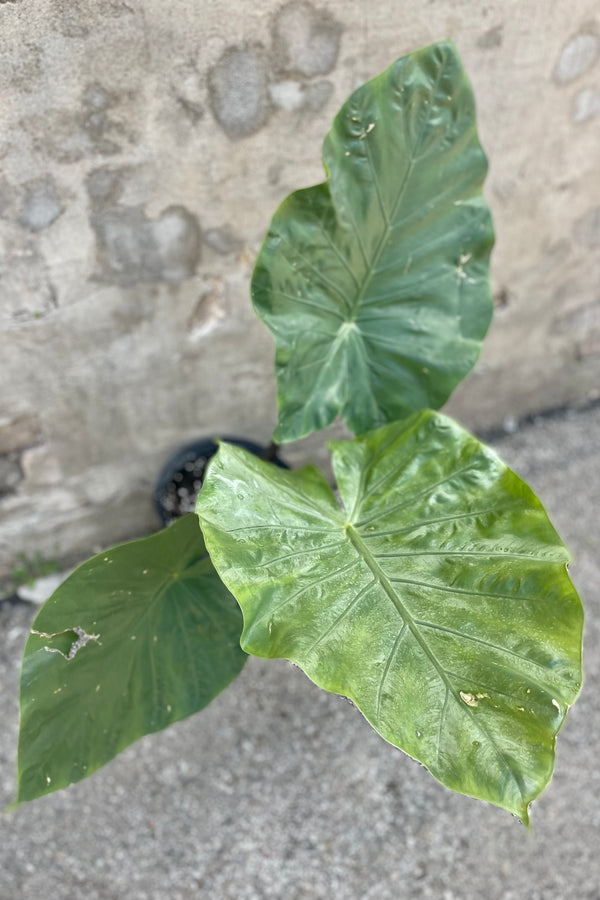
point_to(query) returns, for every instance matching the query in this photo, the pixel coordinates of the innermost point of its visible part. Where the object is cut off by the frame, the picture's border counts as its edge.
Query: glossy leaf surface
(374, 284)
(135, 639)
(438, 601)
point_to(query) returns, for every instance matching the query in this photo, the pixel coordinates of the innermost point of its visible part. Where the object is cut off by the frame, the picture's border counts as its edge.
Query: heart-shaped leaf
(438, 601)
(135, 639)
(375, 283)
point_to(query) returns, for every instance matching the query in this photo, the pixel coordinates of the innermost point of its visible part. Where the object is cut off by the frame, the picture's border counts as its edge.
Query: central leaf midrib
(364, 552)
(368, 276)
(389, 218)
(404, 613)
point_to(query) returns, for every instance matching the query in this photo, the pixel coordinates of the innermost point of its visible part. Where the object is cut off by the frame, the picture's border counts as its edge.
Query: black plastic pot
(182, 476)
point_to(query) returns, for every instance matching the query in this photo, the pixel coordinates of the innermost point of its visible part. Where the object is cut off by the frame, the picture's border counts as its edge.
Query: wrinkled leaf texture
(375, 284)
(437, 598)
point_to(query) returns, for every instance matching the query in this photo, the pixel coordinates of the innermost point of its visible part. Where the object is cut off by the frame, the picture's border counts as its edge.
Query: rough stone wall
(144, 147)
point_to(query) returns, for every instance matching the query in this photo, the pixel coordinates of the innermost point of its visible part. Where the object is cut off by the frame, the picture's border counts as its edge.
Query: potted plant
(432, 589)
(183, 474)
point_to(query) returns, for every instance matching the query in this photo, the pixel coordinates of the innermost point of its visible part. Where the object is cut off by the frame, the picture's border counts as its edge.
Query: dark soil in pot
(182, 476)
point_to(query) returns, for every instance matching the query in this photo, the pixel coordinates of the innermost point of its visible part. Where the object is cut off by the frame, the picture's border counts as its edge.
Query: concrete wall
(143, 148)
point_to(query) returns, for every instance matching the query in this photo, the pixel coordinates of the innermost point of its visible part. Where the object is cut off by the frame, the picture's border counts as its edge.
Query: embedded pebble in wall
(133, 248)
(104, 185)
(188, 90)
(210, 310)
(26, 292)
(238, 91)
(222, 240)
(40, 467)
(176, 236)
(306, 40)
(492, 38)
(19, 433)
(580, 53)
(67, 136)
(10, 474)
(292, 96)
(287, 95)
(41, 204)
(587, 105)
(93, 128)
(95, 122)
(96, 97)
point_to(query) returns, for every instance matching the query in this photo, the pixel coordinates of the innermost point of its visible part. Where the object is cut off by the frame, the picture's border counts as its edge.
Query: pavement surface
(279, 790)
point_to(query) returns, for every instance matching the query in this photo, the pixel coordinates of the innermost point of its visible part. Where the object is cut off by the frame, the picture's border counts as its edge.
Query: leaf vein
(388, 665)
(304, 301)
(423, 493)
(485, 554)
(338, 252)
(482, 641)
(324, 279)
(453, 518)
(318, 581)
(342, 615)
(317, 549)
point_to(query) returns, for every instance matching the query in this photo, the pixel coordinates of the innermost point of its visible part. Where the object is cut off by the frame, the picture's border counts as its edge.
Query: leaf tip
(522, 816)
(11, 807)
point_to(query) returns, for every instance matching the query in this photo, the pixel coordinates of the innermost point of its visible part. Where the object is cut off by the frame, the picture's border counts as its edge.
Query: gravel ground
(279, 790)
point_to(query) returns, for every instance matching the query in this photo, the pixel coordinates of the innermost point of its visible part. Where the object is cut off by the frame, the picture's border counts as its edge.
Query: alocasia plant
(432, 590)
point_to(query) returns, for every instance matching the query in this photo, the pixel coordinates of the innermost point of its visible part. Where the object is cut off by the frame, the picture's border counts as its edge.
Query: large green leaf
(137, 638)
(375, 283)
(438, 600)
